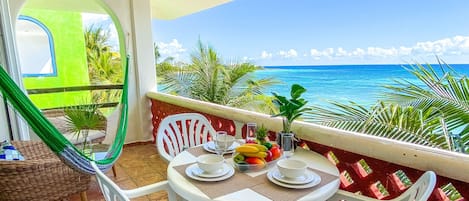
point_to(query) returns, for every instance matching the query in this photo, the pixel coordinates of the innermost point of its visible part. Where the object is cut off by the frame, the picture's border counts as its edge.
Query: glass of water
(221, 142)
(287, 144)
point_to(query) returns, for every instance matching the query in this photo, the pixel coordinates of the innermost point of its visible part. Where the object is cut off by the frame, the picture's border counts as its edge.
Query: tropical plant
(208, 79)
(261, 134)
(435, 113)
(82, 118)
(383, 119)
(290, 109)
(104, 65)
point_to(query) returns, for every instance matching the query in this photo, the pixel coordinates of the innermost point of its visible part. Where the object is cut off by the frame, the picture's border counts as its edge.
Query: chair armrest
(345, 195)
(148, 189)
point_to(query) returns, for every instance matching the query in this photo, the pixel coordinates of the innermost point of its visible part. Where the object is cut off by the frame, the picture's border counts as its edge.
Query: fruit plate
(252, 167)
(246, 167)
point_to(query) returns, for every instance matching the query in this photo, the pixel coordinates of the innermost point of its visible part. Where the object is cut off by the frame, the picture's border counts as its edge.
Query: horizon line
(304, 65)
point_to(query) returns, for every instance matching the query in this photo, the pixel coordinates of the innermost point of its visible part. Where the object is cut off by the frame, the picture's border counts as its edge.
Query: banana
(261, 154)
(259, 146)
(246, 149)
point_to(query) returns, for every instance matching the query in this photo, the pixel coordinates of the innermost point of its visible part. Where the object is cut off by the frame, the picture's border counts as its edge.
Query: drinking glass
(221, 142)
(251, 129)
(287, 144)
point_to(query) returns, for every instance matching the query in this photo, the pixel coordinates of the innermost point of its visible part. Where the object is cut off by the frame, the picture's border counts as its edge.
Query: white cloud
(381, 52)
(457, 45)
(89, 19)
(288, 54)
(341, 52)
(105, 22)
(324, 53)
(266, 55)
(448, 46)
(172, 49)
(359, 52)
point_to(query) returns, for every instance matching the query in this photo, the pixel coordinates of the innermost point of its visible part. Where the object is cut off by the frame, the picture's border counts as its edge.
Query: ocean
(358, 83)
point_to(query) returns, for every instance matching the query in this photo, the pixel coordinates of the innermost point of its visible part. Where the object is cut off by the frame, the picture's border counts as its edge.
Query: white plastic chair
(181, 131)
(112, 192)
(419, 191)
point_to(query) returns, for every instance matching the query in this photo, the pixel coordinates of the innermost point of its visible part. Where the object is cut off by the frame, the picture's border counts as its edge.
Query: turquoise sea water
(358, 83)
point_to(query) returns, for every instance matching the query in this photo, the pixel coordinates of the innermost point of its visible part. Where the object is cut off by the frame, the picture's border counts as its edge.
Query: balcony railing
(76, 89)
(365, 162)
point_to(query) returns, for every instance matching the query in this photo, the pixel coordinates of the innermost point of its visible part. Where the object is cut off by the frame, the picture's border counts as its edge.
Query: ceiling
(171, 9)
(161, 9)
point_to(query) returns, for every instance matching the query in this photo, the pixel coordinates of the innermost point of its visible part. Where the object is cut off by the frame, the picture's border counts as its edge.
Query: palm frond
(383, 120)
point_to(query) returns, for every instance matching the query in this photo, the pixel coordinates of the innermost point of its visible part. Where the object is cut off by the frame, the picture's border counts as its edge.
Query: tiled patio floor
(138, 165)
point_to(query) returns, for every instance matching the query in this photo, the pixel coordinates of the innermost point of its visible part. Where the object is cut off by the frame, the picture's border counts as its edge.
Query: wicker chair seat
(41, 176)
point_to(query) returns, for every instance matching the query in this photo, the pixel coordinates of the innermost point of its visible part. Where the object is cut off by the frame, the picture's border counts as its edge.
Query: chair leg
(83, 196)
(172, 196)
(114, 171)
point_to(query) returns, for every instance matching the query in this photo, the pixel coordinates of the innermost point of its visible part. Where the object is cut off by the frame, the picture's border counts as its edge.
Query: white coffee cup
(210, 162)
(291, 168)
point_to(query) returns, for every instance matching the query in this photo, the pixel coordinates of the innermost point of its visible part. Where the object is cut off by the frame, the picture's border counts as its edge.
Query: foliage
(292, 108)
(261, 133)
(427, 113)
(104, 65)
(84, 117)
(208, 79)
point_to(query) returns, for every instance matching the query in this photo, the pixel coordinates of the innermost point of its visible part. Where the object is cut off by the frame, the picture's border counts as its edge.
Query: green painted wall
(70, 54)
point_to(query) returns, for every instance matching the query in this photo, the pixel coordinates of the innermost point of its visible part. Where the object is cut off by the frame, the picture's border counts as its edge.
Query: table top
(187, 188)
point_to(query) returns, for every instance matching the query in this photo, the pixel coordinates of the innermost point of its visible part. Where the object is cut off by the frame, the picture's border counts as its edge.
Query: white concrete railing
(444, 163)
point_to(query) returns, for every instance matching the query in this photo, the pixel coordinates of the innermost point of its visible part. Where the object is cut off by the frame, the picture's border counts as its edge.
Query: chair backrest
(110, 190)
(180, 131)
(421, 189)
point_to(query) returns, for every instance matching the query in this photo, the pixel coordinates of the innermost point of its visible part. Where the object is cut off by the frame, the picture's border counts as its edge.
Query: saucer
(306, 178)
(316, 180)
(201, 173)
(210, 147)
(190, 173)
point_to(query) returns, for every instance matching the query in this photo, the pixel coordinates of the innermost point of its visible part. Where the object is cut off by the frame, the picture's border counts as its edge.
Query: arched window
(35, 47)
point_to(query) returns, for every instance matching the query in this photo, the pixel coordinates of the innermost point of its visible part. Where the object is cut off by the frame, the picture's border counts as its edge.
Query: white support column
(144, 60)
(135, 18)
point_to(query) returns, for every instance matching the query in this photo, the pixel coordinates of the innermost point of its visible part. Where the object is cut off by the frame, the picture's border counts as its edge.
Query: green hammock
(70, 154)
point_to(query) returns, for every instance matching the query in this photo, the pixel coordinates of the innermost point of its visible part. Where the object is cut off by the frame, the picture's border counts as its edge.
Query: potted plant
(290, 109)
(82, 118)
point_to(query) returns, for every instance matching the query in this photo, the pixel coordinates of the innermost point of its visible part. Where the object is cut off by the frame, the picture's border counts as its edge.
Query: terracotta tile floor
(138, 165)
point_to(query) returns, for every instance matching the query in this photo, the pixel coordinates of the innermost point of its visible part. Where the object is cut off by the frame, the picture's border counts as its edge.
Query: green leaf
(296, 91)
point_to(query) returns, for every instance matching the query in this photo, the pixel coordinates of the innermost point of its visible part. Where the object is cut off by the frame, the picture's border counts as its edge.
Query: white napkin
(245, 194)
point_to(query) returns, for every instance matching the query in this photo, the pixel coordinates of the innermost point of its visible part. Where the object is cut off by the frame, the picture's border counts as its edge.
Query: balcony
(365, 162)
(372, 166)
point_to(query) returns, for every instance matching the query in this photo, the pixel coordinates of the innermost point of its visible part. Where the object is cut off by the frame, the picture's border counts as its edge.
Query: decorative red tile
(449, 193)
(400, 180)
(345, 179)
(332, 158)
(378, 190)
(361, 168)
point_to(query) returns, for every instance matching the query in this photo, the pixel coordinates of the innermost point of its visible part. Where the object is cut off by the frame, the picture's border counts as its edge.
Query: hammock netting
(52, 137)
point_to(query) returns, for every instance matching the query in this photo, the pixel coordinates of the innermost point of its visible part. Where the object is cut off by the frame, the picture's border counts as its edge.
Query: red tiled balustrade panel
(382, 171)
(160, 110)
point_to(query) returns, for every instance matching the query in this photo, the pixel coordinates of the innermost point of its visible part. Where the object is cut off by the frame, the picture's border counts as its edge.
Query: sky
(318, 32)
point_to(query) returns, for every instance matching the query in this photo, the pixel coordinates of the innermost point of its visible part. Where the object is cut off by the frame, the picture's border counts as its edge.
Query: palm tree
(104, 65)
(208, 79)
(435, 114)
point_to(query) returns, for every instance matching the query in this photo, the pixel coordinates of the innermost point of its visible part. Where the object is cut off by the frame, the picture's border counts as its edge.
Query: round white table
(184, 188)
